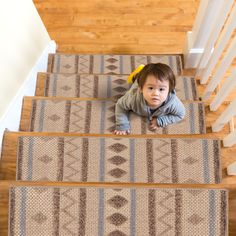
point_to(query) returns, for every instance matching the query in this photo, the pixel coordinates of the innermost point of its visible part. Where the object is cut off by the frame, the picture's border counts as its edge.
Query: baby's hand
(121, 132)
(153, 124)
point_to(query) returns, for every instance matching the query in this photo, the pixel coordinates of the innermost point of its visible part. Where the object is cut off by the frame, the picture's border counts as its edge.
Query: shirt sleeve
(174, 114)
(124, 106)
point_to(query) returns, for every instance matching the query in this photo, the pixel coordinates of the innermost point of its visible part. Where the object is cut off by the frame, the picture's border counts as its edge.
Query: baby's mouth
(155, 99)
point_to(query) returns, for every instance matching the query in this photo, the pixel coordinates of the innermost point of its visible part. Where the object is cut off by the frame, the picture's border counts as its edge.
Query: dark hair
(160, 71)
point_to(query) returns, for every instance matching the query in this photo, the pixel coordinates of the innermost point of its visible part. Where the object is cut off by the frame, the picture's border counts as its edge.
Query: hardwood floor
(118, 26)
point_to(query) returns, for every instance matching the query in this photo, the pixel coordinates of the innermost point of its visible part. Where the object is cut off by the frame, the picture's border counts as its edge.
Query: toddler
(152, 95)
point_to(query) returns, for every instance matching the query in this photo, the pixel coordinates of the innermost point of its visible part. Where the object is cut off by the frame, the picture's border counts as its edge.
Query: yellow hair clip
(135, 72)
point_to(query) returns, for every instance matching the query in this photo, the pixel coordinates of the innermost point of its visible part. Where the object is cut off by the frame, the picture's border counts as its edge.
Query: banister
(230, 139)
(225, 117)
(227, 87)
(229, 56)
(203, 26)
(223, 13)
(222, 41)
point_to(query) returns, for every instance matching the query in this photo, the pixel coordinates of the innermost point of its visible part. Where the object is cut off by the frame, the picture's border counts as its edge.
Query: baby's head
(160, 71)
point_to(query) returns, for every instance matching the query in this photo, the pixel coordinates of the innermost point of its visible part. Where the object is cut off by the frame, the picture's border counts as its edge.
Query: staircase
(74, 177)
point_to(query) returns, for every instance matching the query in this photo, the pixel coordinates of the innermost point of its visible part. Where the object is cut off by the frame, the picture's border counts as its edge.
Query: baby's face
(155, 91)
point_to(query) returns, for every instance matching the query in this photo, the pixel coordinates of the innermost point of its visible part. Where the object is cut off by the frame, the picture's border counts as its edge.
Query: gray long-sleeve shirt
(171, 111)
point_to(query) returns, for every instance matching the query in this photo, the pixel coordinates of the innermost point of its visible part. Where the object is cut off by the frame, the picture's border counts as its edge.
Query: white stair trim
(11, 118)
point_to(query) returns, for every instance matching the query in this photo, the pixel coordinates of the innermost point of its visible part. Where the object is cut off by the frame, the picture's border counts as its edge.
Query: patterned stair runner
(108, 64)
(121, 211)
(113, 211)
(91, 116)
(106, 159)
(104, 86)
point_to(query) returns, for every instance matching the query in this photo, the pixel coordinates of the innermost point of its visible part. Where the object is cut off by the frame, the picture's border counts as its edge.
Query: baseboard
(11, 118)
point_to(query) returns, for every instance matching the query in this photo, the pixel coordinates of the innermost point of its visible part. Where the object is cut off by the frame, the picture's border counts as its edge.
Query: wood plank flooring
(118, 26)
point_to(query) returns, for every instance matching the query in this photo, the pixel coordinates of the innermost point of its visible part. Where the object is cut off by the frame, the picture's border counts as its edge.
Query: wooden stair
(9, 153)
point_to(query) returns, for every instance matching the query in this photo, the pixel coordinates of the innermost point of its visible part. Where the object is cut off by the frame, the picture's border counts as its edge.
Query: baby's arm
(122, 116)
(153, 124)
(175, 114)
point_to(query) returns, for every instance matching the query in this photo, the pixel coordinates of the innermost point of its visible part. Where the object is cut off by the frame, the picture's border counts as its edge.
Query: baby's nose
(156, 91)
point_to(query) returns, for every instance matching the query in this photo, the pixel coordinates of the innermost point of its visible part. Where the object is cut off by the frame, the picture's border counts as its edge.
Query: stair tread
(14, 134)
(118, 210)
(73, 117)
(97, 136)
(10, 145)
(107, 64)
(92, 159)
(6, 184)
(100, 86)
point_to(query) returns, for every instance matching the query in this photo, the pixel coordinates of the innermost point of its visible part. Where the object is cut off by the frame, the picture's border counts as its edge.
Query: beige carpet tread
(107, 64)
(117, 211)
(100, 86)
(99, 159)
(97, 116)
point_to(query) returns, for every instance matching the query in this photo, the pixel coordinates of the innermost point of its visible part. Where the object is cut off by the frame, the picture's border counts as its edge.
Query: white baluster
(221, 18)
(222, 41)
(224, 91)
(197, 39)
(229, 112)
(230, 139)
(229, 56)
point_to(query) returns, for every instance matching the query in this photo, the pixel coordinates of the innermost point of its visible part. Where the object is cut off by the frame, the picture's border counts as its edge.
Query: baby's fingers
(152, 127)
(121, 132)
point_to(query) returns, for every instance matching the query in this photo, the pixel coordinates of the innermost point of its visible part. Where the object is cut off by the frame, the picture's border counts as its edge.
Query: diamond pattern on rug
(98, 159)
(105, 211)
(93, 116)
(109, 64)
(117, 219)
(105, 86)
(39, 217)
(117, 201)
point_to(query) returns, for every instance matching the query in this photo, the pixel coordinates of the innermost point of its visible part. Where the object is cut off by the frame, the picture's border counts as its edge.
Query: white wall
(24, 47)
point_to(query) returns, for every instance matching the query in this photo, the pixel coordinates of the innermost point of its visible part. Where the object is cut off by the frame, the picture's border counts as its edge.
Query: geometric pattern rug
(106, 159)
(104, 86)
(108, 64)
(117, 212)
(97, 116)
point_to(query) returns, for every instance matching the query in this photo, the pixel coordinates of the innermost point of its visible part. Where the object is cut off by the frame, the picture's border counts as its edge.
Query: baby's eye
(162, 89)
(150, 88)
